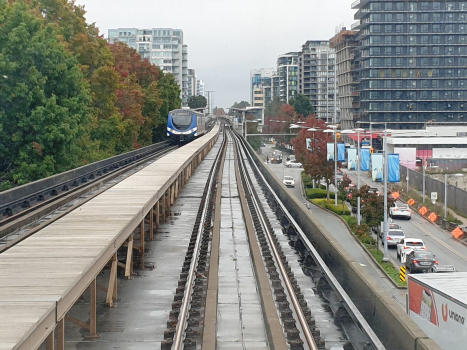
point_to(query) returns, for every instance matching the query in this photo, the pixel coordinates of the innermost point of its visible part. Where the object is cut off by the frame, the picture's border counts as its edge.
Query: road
(337, 229)
(447, 250)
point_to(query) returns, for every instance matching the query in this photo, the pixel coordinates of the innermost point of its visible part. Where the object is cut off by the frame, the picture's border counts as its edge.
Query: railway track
(284, 266)
(29, 213)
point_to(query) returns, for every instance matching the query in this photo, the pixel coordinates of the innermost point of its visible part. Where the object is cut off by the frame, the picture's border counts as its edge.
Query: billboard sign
(330, 151)
(352, 159)
(365, 159)
(394, 168)
(377, 167)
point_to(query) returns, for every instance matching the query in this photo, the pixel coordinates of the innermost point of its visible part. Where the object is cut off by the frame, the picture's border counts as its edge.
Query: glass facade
(411, 62)
(287, 77)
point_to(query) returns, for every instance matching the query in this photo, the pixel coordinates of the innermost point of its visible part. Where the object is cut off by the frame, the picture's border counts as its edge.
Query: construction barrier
(432, 217)
(457, 232)
(411, 202)
(402, 274)
(423, 210)
(395, 195)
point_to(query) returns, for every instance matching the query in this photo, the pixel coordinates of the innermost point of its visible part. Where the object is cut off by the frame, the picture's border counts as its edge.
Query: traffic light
(338, 135)
(371, 149)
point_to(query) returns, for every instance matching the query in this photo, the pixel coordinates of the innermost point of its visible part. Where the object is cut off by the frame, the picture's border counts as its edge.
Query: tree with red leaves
(314, 160)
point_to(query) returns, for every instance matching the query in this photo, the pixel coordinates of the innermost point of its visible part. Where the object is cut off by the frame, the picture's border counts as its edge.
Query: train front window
(182, 120)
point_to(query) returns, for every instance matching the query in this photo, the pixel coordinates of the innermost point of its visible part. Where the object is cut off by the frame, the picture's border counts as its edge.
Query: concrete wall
(390, 323)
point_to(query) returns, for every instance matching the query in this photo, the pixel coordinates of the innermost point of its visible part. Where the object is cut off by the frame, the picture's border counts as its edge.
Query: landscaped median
(362, 233)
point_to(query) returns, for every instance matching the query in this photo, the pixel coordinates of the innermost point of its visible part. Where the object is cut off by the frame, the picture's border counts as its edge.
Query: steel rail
(333, 282)
(261, 215)
(207, 197)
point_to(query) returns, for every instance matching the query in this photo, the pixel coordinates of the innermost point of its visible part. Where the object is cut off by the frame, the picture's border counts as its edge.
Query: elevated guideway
(43, 276)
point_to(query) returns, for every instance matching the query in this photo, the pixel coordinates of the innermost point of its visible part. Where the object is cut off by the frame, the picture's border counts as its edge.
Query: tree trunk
(327, 188)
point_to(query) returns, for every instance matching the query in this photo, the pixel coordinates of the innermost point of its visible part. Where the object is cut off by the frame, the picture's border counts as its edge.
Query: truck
(437, 302)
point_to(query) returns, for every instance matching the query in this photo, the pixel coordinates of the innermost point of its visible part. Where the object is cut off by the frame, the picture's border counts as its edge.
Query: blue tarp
(365, 159)
(394, 168)
(341, 152)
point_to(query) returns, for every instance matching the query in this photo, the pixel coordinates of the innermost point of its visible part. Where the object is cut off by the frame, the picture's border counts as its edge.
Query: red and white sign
(442, 319)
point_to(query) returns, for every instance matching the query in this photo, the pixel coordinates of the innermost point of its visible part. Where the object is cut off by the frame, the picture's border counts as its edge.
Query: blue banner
(308, 144)
(377, 167)
(341, 152)
(394, 168)
(365, 159)
(352, 159)
(330, 149)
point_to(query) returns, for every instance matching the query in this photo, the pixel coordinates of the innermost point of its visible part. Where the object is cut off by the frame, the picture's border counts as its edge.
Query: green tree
(241, 105)
(43, 103)
(170, 97)
(302, 105)
(197, 102)
(274, 107)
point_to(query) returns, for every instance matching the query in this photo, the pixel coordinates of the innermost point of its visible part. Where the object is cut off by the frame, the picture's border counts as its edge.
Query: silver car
(394, 237)
(293, 163)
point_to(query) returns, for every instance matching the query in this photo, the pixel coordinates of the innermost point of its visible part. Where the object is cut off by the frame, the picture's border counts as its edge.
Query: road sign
(434, 195)
(402, 274)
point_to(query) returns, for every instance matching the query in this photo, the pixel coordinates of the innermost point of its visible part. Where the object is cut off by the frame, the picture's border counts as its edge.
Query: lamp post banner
(341, 152)
(308, 144)
(330, 149)
(377, 167)
(394, 172)
(365, 159)
(352, 159)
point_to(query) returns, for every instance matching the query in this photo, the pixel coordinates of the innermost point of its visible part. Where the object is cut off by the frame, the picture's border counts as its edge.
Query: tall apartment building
(191, 82)
(344, 44)
(316, 69)
(200, 88)
(285, 81)
(411, 61)
(261, 87)
(161, 46)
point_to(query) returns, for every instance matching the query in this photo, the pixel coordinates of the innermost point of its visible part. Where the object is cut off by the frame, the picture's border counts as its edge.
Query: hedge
(313, 193)
(341, 209)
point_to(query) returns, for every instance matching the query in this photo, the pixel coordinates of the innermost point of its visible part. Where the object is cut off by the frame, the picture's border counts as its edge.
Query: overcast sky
(228, 38)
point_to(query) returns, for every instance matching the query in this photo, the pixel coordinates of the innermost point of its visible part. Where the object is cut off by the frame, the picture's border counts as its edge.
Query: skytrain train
(184, 125)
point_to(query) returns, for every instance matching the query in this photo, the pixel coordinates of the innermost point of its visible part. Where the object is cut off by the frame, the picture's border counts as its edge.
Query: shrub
(341, 209)
(312, 193)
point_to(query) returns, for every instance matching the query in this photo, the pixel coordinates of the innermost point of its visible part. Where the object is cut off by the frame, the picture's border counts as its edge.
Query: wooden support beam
(50, 341)
(129, 258)
(158, 205)
(151, 224)
(61, 334)
(112, 289)
(77, 322)
(93, 311)
(102, 288)
(163, 207)
(141, 230)
(177, 188)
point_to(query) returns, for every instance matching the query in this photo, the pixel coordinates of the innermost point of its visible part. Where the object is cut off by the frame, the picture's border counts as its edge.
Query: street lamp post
(313, 147)
(423, 182)
(385, 146)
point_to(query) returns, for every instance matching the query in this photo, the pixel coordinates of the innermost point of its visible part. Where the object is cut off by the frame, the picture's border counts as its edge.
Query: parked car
(288, 181)
(420, 261)
(394, 237)
(293, 163)
(408, 244)
(399, 210)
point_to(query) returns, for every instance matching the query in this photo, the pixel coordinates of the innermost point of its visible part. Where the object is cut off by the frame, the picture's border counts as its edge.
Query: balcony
(355, 93)
(356, 24)
(356, 105)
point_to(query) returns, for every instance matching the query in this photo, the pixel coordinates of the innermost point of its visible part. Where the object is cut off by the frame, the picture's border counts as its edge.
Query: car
(394, 237)
(263, 144)
(399, 210)
(391, 226)
(408, 244)
(276, 158)
(293, 163)
(420, 261)
(288, 181)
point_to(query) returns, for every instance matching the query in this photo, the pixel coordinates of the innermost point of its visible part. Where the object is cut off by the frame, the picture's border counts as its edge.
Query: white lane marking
(445, 245)
(362, 264)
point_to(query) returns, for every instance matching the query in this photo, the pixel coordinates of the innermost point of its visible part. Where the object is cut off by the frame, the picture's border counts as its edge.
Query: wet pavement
(140, 317)
(239, 317)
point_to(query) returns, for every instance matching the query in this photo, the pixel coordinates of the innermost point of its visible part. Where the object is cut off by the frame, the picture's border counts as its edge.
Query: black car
(420, 261)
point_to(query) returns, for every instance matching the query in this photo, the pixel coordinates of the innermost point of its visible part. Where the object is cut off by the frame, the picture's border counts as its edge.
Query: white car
(288, 181)
(293, 163)
(394, 237)
(400, 210)
(408, 244)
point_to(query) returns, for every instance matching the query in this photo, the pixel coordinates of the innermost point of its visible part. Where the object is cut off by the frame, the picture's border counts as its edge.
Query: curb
(358, 241)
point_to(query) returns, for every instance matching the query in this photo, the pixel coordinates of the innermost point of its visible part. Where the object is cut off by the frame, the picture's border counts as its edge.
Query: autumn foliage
(69, 97)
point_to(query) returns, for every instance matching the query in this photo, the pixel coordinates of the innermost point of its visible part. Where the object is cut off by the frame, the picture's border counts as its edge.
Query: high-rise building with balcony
(191, 82)
(316, 71)
(344, 44)
(285, 81)
(411, 62)
(200, 88)
(261, 87)
(161, 46)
